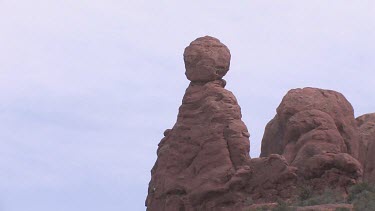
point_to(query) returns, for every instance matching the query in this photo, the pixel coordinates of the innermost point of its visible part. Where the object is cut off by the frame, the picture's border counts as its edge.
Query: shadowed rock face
(315, 130)
(209, 143)
(366, 125)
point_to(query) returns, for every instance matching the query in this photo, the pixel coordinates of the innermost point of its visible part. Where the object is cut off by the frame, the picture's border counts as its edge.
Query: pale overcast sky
(88, 87)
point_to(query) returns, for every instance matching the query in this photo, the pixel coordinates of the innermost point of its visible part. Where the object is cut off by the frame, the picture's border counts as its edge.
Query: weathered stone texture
(366, 124)
(203, 161)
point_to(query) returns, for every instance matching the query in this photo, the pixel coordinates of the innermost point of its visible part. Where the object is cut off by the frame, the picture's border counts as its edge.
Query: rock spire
(209, 143)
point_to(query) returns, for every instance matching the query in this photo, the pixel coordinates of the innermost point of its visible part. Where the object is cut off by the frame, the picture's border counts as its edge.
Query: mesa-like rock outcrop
(325, 107)
(203, 162)
(315, 130)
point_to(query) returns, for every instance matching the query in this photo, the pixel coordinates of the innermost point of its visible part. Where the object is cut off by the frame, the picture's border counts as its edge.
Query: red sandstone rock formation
(315, 130)
(203, 161)
(328, 102)
(271, 178)
(366, 124)
(206, 59)
(209, 143)
(325, 207)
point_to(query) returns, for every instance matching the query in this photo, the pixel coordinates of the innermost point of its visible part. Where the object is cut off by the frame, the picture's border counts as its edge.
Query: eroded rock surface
(208, 145)
(315, 130)
(206, 59)
(366, 125)
(272, 178)
(203, 161)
